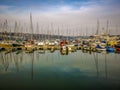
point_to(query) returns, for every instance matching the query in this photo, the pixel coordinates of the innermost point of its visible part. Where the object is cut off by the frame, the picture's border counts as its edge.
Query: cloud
(5, 7)
(80, 15)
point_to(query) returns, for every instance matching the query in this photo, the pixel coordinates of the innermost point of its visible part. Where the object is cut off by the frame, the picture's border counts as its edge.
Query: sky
(73, 17)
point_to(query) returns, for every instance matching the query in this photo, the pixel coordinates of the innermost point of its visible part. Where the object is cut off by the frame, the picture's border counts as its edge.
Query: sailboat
(16, 43)
(5, 44)
(29, 46)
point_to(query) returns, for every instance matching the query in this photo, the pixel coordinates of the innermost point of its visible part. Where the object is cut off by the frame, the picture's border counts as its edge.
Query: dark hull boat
(117, 48)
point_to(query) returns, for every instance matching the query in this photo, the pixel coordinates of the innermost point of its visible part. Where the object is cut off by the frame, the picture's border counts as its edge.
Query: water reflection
(5, 61)
(32, 70)
(78, 66)
(96, 62)
(96, 58)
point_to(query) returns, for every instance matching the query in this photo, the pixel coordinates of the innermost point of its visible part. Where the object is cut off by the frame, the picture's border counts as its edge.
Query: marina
(59, 62)
(59, 45)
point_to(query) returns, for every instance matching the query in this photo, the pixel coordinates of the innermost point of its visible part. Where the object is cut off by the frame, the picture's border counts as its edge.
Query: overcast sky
(73, 17)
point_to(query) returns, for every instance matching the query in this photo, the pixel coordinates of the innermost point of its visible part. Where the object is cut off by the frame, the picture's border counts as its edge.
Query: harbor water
(75, 71)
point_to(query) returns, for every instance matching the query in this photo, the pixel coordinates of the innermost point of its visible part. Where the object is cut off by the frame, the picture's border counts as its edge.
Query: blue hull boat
(110, 49)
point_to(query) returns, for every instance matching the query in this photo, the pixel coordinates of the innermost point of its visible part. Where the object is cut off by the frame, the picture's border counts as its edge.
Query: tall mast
(5, 30)
(37, 29)
(107, 31)
(58, 33)
(31, 27)
(48, 36)
(97, 27)
(67, 33)
(42, 33)
(15, 31)
(51, 34)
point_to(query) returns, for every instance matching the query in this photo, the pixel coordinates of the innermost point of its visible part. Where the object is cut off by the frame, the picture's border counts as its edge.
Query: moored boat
(117, 48)
(99, 48)
(110, 49)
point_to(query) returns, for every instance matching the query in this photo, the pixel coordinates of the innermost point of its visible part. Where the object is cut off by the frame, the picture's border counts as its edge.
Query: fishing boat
(8, 51)
(29, 51)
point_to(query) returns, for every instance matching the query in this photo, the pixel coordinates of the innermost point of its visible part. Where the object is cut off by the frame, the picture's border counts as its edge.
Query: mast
(97, 27)
(37, 29)
(5, 30)
(58, 33)
(51, 34)
(41, 28)
(96, 63)
(31, 26)
(106, 73)
(47, 32)
(15, 32)
(107, 31)
(0, 30)
(67, 33)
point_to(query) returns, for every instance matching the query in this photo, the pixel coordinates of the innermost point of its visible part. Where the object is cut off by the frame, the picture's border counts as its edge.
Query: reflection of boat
(41, 51)
(96, 62)
(32, 65)
(86, 51)
(106, 73)
(5, 61)
(8, 51)
(29, 51)
(87, 48)
(18, 52)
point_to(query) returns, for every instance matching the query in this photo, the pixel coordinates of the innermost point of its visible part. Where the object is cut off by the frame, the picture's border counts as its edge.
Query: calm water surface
(75, 71)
